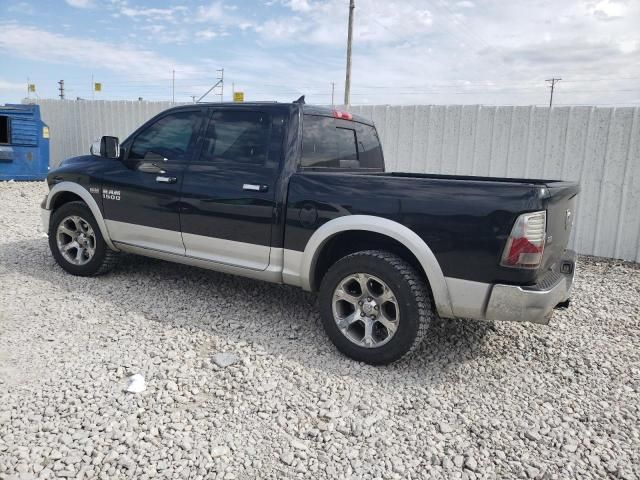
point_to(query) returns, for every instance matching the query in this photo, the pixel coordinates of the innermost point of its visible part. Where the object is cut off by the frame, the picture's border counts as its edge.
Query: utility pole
(93, 88)
(193, 98)
(553, 82)
(333, 89)
(347, 82)
(173, 87)
(28, 88)
(61, 88)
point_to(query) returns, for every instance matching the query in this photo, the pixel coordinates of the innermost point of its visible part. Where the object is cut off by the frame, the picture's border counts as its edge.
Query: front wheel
(374, 306)
(76, 242)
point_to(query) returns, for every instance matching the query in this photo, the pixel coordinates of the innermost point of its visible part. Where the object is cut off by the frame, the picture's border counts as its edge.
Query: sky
(494, 52)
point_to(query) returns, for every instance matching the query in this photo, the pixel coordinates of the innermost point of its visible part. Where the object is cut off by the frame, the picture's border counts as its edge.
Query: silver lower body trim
(45, 218)
(468, 299)
(292, 267)
(241, 254)
(146, 237)
(273, 273)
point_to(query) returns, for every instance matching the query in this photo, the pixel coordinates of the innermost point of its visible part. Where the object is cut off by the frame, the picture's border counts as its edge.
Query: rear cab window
(336, 144)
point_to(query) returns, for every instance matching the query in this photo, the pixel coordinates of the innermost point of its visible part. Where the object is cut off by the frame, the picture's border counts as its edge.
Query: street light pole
(347, 82)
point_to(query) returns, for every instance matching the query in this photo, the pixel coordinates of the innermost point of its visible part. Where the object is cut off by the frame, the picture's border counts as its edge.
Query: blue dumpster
(24, 143)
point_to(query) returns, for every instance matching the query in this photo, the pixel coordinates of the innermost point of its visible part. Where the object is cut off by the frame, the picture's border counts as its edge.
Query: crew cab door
(229, 191)
(141, 192)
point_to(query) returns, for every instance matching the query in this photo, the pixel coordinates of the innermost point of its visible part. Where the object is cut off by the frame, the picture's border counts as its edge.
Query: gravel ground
(480, 400)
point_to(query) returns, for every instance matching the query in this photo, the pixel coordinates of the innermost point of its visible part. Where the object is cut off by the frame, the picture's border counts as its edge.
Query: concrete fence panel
(596, 146)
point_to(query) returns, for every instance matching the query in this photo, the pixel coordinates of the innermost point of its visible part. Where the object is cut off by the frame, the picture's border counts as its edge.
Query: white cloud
(206, 34)
(26, 42)
(157, 14)
(299, 5)
(12, 86)
(221, 14)
(21, 7)
(375, 22)
(80, 3)
(629, 46)
(609, 9)
(213, 12)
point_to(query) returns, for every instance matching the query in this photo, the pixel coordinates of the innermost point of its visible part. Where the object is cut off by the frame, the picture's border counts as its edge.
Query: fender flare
(89, 200)
(391, 229)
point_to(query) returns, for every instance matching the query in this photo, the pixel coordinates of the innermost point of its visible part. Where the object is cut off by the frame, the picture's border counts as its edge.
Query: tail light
(525, 246)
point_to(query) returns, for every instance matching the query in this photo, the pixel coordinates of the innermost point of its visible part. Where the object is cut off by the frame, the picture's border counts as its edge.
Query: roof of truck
(307, 109)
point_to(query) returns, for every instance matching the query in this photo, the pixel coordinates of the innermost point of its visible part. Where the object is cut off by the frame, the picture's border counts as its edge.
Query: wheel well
(346, 243)
(64, 197)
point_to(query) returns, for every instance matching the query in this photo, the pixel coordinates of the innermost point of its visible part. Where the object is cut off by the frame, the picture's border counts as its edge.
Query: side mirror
(108, 147)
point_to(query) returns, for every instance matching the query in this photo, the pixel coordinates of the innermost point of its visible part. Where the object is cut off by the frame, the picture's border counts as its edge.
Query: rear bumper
(532, 304)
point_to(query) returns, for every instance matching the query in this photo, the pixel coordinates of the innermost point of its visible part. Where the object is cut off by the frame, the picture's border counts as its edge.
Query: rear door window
(327, 143)
(239, 137)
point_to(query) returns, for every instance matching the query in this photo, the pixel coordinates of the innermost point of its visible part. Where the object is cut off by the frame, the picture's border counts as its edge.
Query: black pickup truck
(298, 194)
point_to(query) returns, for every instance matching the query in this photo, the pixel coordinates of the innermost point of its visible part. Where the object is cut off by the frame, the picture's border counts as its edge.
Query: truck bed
(465, 220)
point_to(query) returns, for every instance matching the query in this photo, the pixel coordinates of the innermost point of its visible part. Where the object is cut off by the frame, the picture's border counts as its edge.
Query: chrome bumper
(529, 304)
(45, 216)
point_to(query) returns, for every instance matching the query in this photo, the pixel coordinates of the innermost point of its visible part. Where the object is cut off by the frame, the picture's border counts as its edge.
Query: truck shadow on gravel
(280, 319)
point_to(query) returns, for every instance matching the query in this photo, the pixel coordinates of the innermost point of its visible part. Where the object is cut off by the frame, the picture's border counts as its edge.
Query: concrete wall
(599, 147)
(74, 125)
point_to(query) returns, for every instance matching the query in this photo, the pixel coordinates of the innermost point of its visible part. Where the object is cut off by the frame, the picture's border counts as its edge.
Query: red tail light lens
(525, 245)
(342, 115)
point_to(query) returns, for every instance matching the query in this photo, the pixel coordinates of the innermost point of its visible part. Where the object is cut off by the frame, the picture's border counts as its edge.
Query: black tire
(411, 294)
(102, 261)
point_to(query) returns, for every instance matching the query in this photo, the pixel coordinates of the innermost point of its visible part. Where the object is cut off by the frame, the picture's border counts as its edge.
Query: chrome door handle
(255, 188)
(160, 179)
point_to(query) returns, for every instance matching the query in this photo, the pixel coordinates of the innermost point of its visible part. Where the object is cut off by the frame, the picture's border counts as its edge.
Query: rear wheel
(76, 242)
(374, 306)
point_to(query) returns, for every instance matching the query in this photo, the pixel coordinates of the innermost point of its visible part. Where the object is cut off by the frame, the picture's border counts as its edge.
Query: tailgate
(561, 212)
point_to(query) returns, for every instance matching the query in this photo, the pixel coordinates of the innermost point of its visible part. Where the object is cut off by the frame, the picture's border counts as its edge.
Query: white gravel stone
(479, 399)
(219, 451)
(445, 427)
(225, 359)
(287, 458)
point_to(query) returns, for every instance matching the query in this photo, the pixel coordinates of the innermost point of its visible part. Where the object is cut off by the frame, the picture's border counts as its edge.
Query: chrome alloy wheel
(365, 310)
(76, 240)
